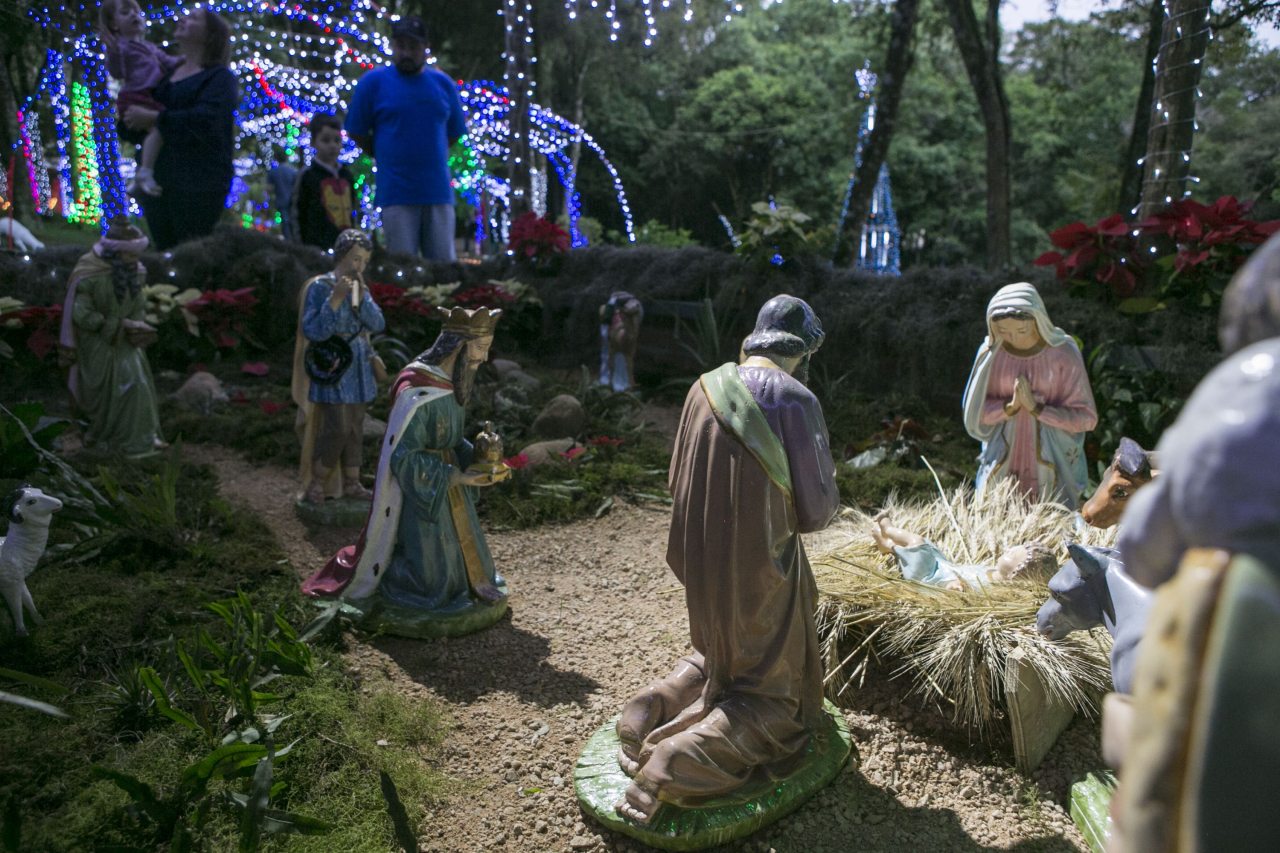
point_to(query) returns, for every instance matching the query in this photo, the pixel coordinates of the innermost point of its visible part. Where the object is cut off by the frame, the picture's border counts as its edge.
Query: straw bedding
(953, 644)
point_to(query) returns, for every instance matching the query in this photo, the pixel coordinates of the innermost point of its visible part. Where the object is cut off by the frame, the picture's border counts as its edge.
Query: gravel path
(596, 615)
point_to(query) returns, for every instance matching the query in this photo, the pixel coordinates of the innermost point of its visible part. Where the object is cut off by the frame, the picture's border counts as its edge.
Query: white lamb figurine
(29, 511)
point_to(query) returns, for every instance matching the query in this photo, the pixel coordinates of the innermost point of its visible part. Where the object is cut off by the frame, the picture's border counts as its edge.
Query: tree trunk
(982, 64)
(11, 149)
(891, 83)
(519, 80)
(575, 149)
(1131, 169)
(1173, 114)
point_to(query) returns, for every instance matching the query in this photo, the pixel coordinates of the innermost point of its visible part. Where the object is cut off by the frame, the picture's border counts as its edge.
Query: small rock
(200, 392)
(383, 742)
(504, 367)
(501, 839)
(967, 791)
(547, 452)
(582, 842)
(524, 380)
(511, 776)
(562, 416)
(373, 428)
(540, 826)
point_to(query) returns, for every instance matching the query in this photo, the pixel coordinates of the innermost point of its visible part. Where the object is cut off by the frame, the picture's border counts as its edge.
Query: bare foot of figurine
(489, 593)
(883, 543)
(161, 444)
(655, 706)
(315, 493)
(638, 805)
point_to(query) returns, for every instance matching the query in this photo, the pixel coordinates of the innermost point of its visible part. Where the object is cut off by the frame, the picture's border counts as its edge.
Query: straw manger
(952, 644)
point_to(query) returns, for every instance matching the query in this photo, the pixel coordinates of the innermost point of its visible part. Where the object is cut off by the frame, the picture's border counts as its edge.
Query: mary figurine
(1029, 402)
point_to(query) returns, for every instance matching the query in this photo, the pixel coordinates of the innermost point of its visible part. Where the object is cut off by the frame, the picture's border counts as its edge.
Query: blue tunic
(427, 570)
(320, 322)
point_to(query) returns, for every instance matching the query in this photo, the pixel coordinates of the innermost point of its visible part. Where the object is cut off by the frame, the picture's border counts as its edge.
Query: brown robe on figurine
(752, 470)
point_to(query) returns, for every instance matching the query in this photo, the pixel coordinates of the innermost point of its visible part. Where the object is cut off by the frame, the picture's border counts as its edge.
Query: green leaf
(316, 625)
(140, 792)
(11, 832)
(1124, 395)
(1140, 305)
(604, 507)
(223, 761)
(259, 795)
(276, 822)
(33, 680)
(34, 705)
(153, 683)
(1150, 414)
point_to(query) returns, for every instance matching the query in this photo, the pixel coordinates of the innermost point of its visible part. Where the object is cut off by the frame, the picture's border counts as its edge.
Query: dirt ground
(596, 615)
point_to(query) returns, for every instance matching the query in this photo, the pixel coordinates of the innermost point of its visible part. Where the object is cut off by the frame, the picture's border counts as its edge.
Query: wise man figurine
(103, 340)
(421, 566)
(751, 471)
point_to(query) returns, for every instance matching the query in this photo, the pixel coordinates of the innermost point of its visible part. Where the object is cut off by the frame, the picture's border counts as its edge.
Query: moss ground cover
(126, 608)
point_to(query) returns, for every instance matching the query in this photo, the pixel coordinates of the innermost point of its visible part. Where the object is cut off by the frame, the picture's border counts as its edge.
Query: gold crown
(470, 322)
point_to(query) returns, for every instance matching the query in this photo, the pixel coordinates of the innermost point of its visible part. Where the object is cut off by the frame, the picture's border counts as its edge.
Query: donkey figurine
(1131, 468)
(1092, 589)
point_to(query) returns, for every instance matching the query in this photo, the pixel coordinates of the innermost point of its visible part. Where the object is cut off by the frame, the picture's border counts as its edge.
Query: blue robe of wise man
(422, 547)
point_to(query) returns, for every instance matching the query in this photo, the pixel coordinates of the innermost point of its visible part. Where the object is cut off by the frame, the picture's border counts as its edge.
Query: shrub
(654, 233)
(1194, 249)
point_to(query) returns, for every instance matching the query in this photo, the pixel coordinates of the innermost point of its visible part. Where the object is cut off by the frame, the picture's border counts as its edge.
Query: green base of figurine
(378, 616)
(600, 784)
(1091, 809)
(334, 512)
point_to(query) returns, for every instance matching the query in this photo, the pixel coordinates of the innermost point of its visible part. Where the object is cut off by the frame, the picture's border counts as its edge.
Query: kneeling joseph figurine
(752, 470)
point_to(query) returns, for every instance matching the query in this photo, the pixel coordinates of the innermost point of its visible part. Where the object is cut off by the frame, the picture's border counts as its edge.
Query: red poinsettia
(605, 441)
(537, 238)
(1102, 252)
(255, 368)
(42, 325)
(1217, 236)
(573, 452)
(271, 407)
(222, 314)
(483, 296)
(518, 461)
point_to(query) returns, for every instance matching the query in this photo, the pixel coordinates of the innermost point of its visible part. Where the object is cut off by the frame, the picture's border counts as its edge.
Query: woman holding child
(196, 121)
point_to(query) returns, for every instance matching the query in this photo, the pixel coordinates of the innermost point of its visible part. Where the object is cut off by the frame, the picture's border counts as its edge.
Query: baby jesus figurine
(923, 562)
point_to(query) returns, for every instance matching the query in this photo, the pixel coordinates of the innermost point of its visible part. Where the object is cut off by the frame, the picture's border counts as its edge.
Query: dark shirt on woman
(198, 127)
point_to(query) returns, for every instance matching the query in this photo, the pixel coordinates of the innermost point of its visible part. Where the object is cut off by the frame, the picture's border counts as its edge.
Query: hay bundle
(954, 644)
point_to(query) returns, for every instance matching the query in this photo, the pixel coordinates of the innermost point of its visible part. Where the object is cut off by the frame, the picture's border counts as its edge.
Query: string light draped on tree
(291, 61)
(879, 248)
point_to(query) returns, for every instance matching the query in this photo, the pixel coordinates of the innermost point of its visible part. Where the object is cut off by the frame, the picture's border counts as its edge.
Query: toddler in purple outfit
(139, 66)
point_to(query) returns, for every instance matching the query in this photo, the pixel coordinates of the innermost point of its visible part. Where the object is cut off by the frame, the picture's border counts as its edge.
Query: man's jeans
(420, 229)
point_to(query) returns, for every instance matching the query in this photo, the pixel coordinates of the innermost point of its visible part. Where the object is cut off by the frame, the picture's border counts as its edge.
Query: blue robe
(427, 570)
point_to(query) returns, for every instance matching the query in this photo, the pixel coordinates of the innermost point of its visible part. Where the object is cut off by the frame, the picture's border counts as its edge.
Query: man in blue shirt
(407, 116)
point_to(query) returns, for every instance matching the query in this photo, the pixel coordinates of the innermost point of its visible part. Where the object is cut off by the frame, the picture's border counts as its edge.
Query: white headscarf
(1021, 297)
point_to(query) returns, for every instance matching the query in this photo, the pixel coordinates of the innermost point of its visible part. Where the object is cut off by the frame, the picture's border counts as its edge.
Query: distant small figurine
(752, 470)
(1131, 468)
(29, 512)
(103, 340)
(1093, 589)
(1029, 402)
(422, 566)
(620, 320)
(923, 562)
(334, 372)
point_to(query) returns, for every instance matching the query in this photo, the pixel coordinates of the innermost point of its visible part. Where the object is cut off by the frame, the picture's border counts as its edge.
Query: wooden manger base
(600, 784)
(1035, 717)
